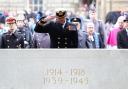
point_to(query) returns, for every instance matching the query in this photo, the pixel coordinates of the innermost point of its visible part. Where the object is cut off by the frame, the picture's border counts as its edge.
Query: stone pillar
(103, 9)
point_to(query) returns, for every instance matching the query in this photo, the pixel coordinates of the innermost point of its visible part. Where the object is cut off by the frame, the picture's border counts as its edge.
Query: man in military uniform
(24, 31)
(12, 39)
(81, 37)
(62, 33)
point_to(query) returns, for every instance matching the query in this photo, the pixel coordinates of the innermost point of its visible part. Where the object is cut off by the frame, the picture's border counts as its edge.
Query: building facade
(66, 4)
(37, 5)
(103, 6)
(13, 5)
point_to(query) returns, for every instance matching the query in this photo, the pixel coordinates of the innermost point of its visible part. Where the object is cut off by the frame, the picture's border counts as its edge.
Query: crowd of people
(64, 29)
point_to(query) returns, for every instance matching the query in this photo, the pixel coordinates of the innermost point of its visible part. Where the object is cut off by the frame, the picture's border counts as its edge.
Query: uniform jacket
(60, 37)
(14, 40)
(41, 40)
(27, 36)
(81, 39)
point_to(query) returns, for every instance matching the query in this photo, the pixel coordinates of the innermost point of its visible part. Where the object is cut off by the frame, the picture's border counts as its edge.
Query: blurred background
(102, 6)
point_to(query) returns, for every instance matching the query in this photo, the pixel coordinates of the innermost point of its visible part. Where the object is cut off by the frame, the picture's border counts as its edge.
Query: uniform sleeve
(76, 40)
(22, 42)
(30, 39)
(43, 28)
(74, 37)
(2, 43)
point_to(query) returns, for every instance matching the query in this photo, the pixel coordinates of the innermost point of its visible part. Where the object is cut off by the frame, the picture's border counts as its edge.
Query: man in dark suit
(122, 36)
(62, 33)
(12, 39)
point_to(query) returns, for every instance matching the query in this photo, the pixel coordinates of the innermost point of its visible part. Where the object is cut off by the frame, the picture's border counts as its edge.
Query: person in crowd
(93, 39)
(32, 24)
(81, 38)
(3, 28)
(24, 31)
(12, 38)
(110, 20)
(112, 37)
(98, 24)
(39, 15)
(122, 36)
(41, 40)
(62, 33)
(2, 23)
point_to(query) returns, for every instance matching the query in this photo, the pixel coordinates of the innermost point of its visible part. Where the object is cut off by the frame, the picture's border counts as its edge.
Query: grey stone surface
(33, 69)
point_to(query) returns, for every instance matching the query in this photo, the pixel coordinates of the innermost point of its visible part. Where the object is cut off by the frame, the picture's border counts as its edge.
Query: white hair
(90, 24)
(120, 19)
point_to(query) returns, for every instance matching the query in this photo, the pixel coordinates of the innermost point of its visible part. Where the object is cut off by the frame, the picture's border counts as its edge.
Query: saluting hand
(46, 19)
(49, 18)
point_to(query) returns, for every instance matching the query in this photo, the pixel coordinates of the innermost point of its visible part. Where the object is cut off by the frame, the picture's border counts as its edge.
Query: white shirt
(91, 38)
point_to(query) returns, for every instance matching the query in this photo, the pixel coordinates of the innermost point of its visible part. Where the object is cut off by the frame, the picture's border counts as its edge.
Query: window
(40, 1)
(35, 1)
(36, 4)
